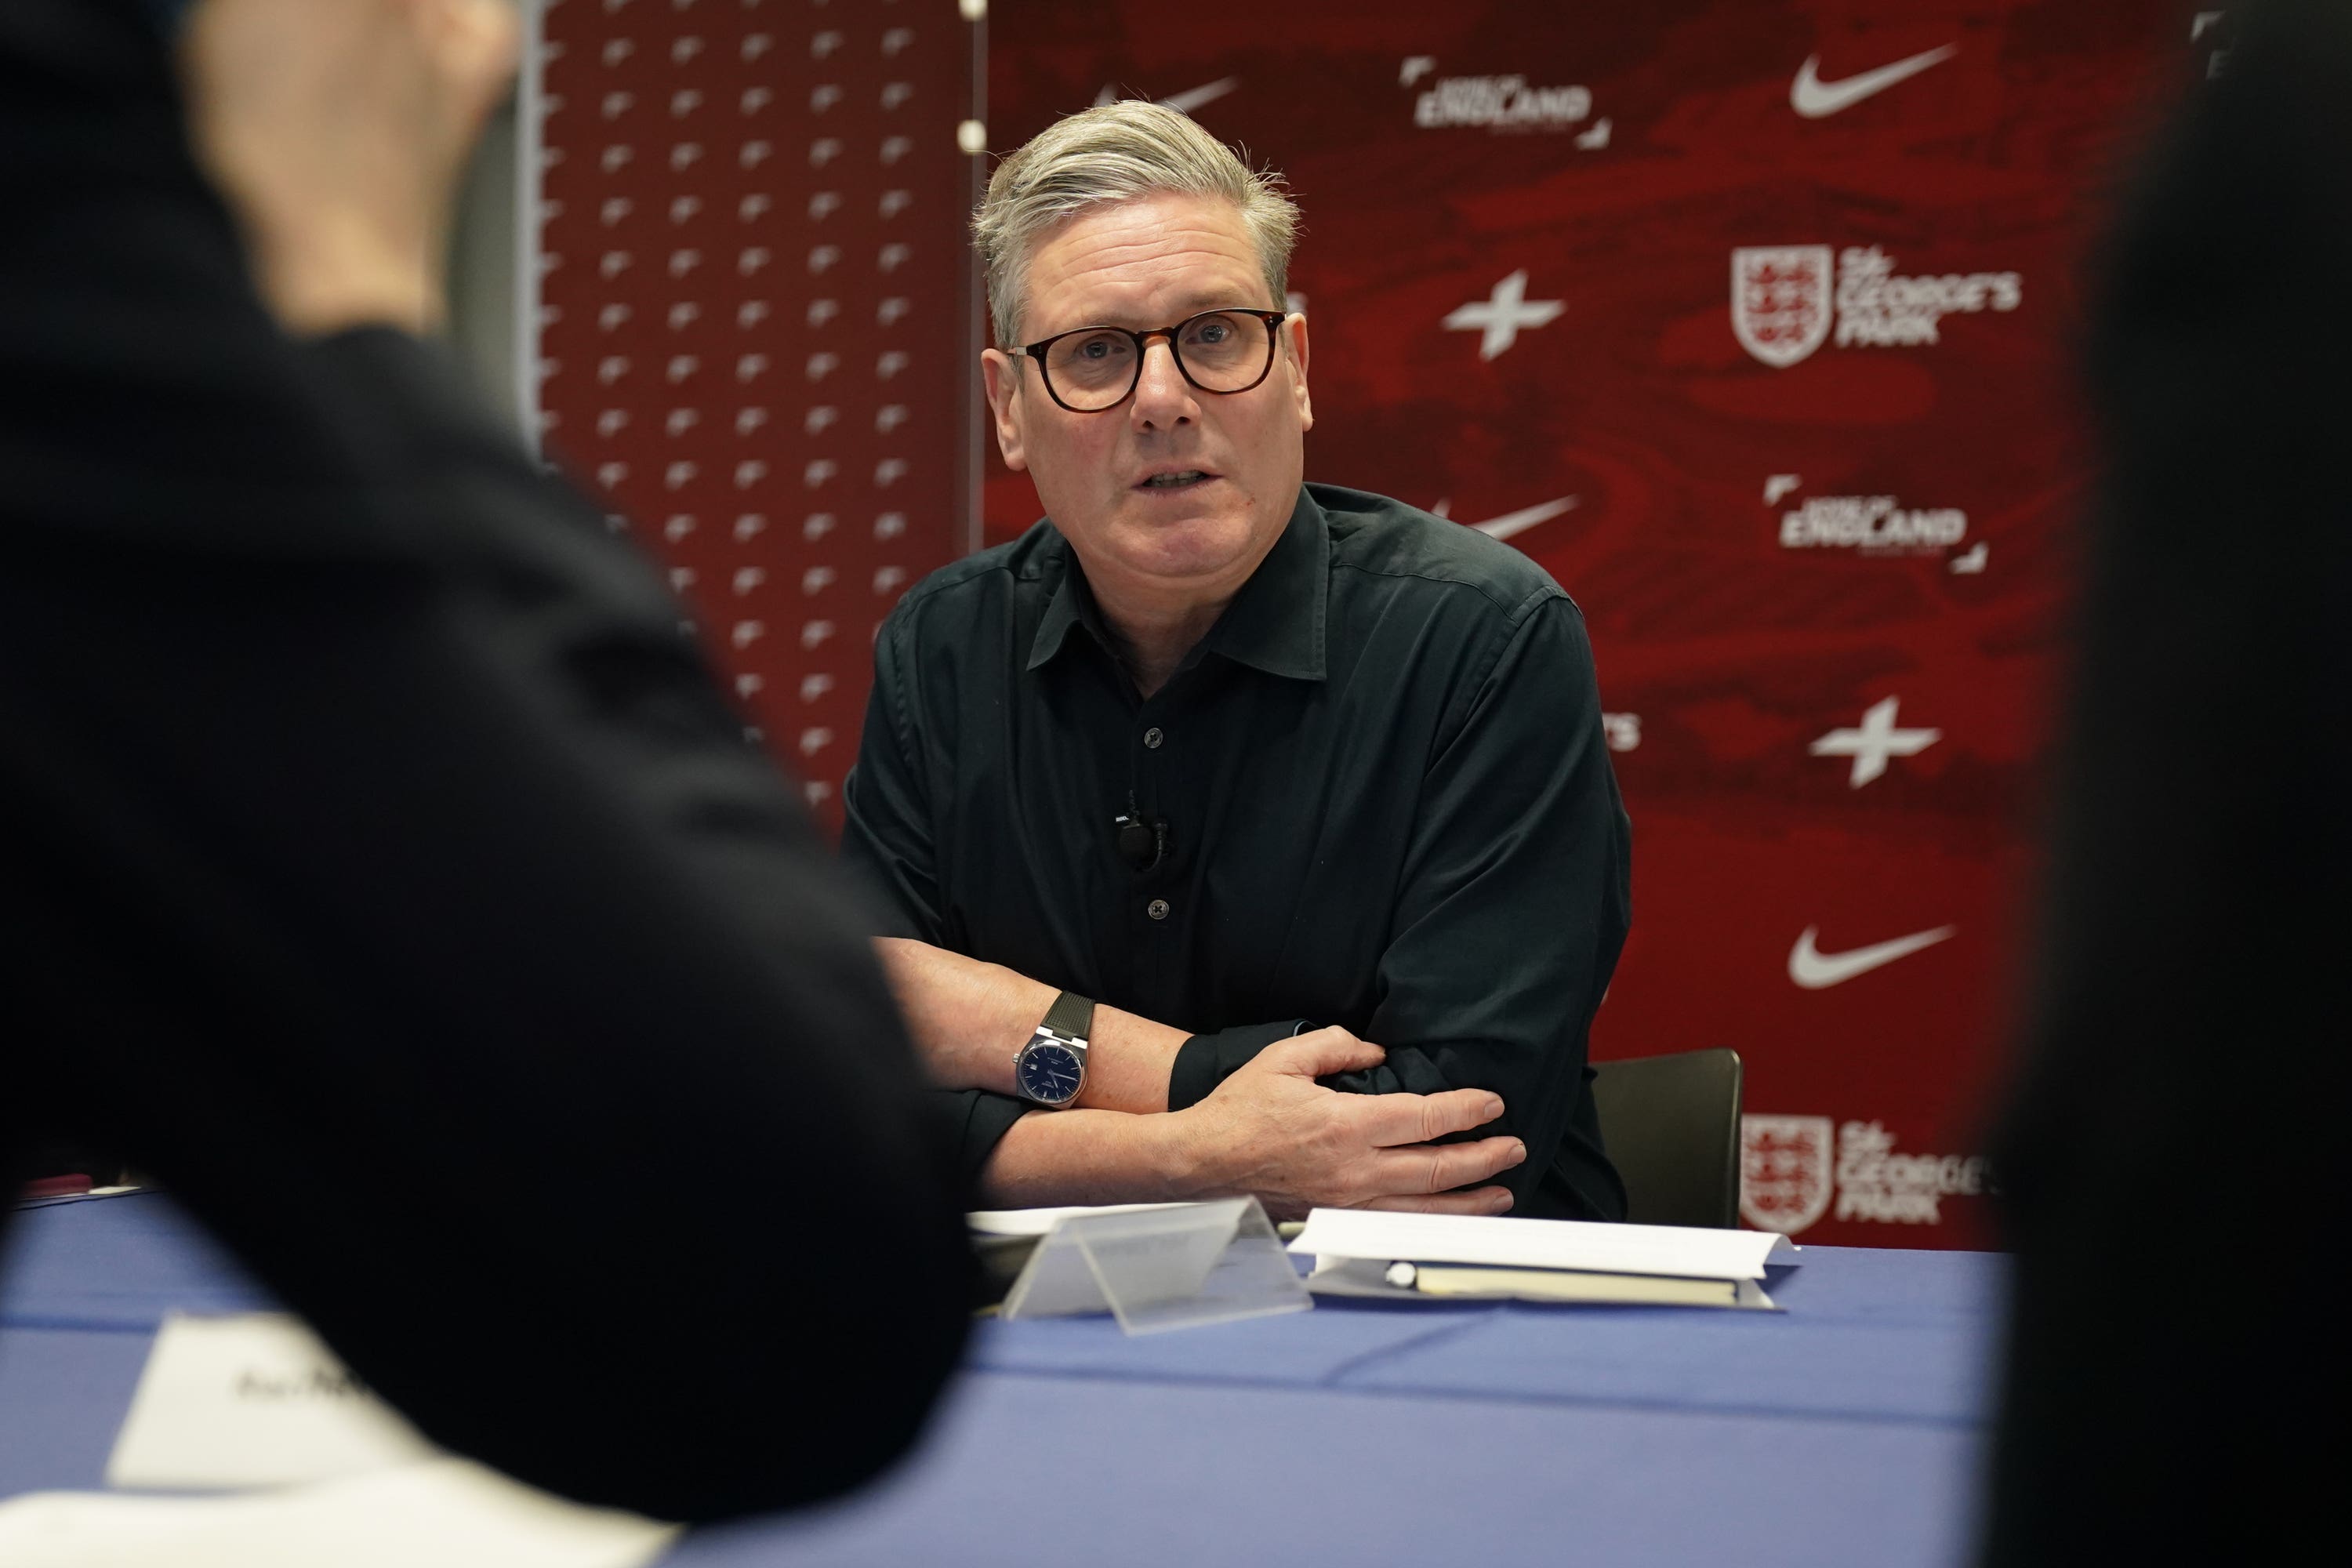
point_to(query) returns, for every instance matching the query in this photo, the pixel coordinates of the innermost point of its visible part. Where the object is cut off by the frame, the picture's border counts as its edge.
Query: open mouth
(1181, 479)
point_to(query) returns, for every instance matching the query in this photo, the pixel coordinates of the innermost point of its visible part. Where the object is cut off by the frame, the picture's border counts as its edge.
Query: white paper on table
(1370, 1278)
(1335, 1235)
(252, 1400)
(1037, 1221)
(443, 1513)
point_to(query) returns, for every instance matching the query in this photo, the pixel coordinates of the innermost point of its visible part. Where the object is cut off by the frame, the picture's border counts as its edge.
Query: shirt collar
(1275, 624)
(1070, 604)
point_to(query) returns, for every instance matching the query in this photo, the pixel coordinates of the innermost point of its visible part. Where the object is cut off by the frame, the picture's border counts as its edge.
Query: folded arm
(1270, 1131)
(970, 1018)
(1512, 910)
(1265, 1126)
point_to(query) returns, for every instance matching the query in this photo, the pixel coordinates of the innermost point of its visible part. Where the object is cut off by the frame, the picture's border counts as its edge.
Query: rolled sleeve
(1514, 905)
(886, 834)
(979, 1122)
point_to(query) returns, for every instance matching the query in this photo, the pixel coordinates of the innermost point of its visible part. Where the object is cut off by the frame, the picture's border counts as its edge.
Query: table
(1846, 1430)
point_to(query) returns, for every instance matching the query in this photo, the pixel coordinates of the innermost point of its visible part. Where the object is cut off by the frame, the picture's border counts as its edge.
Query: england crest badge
(1786, 1166)
(1781, 298)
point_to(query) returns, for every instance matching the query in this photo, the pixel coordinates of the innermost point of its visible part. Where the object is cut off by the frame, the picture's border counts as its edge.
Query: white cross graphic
(1876, 740)
(1503, 313)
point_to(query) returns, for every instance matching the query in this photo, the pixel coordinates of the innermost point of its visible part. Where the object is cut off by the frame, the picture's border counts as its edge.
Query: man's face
(1146, 263)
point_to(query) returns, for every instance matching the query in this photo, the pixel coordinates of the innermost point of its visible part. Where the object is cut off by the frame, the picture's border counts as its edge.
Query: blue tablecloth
(1846, 1430)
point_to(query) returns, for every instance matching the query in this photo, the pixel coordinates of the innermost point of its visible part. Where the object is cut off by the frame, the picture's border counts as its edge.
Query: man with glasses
(1241, 835)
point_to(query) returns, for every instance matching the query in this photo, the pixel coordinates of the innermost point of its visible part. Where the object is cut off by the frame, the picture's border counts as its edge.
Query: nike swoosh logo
(1186, 102)
(1815, 969)
(1518, 521)
(1814, 99)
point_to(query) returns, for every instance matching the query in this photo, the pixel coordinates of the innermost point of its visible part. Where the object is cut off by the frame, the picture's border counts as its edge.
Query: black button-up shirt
(1386, 799)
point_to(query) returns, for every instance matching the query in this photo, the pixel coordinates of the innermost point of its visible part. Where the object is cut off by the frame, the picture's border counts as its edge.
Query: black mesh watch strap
(1071, 1014)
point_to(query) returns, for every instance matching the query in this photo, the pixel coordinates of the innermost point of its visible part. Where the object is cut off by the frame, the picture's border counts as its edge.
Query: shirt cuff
(981, 1120)
(396, 371)
(408, 403)
(1205, 1061)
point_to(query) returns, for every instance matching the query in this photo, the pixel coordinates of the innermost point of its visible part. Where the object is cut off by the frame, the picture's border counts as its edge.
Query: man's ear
(1295, 328)
(1003, 379)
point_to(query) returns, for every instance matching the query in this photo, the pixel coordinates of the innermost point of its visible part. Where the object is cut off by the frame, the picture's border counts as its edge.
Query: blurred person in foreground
(1245, 835)
(381, 869)
(2171, 1161)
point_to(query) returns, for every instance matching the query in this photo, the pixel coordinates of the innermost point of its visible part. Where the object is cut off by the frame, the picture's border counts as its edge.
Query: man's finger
(1328, 1050)
(1440, 1167)
(1396, 1119)
(477, 43)
(1479, 1200)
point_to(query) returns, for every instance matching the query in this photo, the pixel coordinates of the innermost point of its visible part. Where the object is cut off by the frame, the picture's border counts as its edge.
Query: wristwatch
(1051, 1069)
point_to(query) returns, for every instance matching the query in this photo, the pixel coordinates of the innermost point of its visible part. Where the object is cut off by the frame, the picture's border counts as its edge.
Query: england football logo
(1786, 301)
(1786, 1167)
(1780, 299)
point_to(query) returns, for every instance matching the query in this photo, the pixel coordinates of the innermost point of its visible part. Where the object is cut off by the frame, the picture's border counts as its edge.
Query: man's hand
(1270, 1128)
(338, 130)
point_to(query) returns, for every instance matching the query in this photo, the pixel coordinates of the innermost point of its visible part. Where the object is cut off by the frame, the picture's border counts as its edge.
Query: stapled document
(1406, 1255)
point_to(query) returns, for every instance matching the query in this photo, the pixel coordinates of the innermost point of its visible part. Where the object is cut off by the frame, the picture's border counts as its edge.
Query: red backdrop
(753, 331)
(1750, 319)
(1814, 518)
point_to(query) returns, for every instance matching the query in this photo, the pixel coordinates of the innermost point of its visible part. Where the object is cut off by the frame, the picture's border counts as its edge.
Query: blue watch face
(1048, 1072)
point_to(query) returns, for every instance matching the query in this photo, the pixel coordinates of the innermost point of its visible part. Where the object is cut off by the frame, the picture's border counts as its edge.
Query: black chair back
(1671, 1125)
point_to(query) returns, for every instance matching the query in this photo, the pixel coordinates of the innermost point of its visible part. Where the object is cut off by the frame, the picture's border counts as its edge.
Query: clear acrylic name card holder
(1174, 1268)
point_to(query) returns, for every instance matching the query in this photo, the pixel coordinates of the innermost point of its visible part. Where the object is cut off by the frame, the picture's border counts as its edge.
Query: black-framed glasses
(1091, 370)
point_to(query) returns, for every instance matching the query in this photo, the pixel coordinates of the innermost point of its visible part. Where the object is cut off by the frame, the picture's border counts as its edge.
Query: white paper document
(252, 1400)
(1365, 1276)
(1354, 1250)
(445, 1513)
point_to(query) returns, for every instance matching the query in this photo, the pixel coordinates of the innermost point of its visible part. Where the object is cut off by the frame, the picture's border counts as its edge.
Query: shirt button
(1157, 909)
(1152, 738)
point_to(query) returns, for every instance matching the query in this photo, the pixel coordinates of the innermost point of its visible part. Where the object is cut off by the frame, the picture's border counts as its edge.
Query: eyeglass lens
(1219, 350)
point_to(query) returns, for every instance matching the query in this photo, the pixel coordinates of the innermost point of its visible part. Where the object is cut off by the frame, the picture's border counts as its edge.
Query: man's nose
(1162, 396)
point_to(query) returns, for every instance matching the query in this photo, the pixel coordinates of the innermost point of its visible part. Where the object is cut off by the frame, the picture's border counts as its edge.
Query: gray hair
(1109, 153)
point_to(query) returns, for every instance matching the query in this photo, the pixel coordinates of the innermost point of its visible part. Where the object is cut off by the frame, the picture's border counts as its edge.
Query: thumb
(477, 45)
(1327, 1051)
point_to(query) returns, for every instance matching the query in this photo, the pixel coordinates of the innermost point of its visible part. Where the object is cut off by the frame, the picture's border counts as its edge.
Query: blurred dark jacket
(2173, 1158)
(380, 868)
